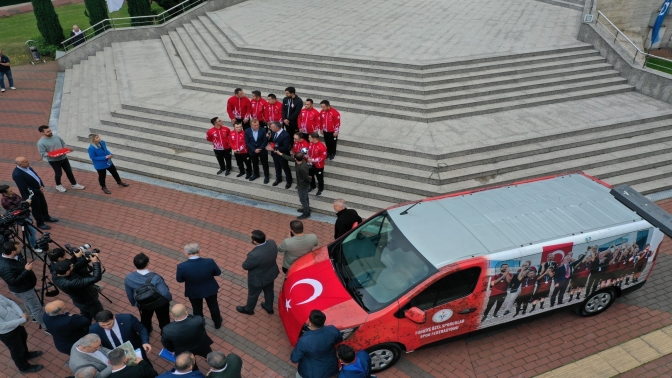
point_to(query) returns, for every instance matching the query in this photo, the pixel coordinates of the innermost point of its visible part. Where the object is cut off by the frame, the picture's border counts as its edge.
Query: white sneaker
(37, 250)
(77, 186)
(60, 188)
(2, 90)
(12, 88)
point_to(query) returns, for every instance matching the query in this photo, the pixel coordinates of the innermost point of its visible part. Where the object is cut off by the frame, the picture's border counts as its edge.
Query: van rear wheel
(383, 356)
(597, 302)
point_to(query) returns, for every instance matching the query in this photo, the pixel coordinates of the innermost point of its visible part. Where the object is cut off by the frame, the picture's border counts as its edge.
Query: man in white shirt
(88, 351)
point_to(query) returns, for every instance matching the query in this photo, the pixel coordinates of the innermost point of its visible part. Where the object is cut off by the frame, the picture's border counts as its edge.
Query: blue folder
(166, 355)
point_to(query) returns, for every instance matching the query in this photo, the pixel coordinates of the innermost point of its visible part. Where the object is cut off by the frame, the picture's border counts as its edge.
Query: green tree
(47, 22)
(137, 8)
(97, 12)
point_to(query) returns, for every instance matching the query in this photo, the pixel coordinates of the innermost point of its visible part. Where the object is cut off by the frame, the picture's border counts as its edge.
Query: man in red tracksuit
(237, 142)
(219, 136)
(239, 108)
(273, 111)
(317, 155)
(258, 109)
(330, 120)
(299, 144)
(309, 119)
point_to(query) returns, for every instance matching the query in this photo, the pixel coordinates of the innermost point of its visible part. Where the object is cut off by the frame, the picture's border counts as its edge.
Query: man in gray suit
(262, 270)
(88, 352)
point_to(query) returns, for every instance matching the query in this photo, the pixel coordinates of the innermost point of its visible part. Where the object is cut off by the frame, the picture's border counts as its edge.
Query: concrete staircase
(206, 58)
(169, 143)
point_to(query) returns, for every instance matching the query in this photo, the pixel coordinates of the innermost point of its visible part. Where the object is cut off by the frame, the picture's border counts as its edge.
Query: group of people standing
(289, 130)
(589, 272)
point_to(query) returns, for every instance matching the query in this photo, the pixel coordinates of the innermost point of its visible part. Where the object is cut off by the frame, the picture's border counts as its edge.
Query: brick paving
(159, 221)
(661, 367)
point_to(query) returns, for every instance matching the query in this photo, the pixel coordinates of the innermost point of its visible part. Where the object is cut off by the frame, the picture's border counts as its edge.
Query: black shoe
(253, 177)
(276, 182)
(289, 185)
(270, 311)
(247, 177)
(303, 216)
(506, 313)
(310, 190)
(241, 174)
(51, 219)
(242, 310)
(121, 183)
(43, 227)
(218, 326)
(106, 191)
(331, 157)
(228, 172)
(219, 172)
(32, 369)
(266, 180)
(319, 193)
(34, 354)
(300, 210)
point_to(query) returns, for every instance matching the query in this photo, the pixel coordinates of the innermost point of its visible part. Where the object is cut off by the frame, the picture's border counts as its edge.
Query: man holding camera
(81, 290)
(21, 279)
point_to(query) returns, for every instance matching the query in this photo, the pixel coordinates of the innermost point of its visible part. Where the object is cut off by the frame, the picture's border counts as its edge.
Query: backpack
(147, 296)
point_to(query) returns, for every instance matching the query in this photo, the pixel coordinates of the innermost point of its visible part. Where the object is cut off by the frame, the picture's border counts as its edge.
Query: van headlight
(348, 332)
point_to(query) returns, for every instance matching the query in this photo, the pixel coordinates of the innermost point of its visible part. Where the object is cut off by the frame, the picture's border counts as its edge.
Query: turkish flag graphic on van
(558, 251)
(315, 287)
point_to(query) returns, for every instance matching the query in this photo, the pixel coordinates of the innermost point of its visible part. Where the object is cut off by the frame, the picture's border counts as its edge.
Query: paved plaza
(402, 31)
(159, 221)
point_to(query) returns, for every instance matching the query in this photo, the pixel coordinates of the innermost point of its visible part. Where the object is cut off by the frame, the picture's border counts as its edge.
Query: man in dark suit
(262, 270)
(561, 278)
(27, 180)
(186, 333)
(116, 330)
(198, 275)
(282, 142)
(65, 328)
(291, 109)
(256, 141)
(141, 369)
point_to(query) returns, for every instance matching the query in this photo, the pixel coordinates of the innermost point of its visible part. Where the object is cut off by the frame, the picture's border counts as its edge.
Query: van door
(451, 302)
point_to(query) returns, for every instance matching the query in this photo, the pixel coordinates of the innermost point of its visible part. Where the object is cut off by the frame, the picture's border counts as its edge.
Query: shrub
(47, 21)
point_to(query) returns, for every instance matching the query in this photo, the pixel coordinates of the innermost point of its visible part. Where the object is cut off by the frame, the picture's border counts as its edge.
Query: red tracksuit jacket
(238, 107)
(317, 152)
(237, 141)
(219, 138)
(258, 109)
(299, 145)
(309, 120)
(330, 120)
(273, 112)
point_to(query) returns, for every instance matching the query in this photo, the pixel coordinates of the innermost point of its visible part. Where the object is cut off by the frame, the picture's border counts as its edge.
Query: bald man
(186, 333)
(185, 367)
(345, 218)
(27, 180)
(64, 327)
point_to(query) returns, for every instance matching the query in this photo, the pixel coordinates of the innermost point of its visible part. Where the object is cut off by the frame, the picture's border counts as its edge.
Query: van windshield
(378, 264)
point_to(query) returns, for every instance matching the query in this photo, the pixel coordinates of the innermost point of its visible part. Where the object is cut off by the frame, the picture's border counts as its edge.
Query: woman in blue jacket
(102, 161)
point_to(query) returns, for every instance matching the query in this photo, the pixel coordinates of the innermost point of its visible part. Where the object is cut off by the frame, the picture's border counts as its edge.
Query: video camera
(17, 215)
(84, 248)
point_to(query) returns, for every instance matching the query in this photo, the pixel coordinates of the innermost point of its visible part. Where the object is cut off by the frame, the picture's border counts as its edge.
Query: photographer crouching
(81, 289)
(79, 261)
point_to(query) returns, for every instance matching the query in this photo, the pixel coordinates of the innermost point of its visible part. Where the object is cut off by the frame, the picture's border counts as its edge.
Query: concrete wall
(632, 17)
(650, 82)
(106, 39)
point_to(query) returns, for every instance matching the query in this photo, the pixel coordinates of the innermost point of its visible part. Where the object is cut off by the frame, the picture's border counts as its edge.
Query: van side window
(454, 286)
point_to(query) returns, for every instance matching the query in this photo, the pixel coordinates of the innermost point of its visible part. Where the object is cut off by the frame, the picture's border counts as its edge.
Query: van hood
(312, 284)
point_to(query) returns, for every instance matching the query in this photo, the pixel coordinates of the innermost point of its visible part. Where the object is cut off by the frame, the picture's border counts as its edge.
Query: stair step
(642, 176)
(654, 186)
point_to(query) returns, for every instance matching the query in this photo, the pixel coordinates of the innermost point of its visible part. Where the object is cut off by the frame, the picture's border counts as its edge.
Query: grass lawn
(660, 65)
(16, 30)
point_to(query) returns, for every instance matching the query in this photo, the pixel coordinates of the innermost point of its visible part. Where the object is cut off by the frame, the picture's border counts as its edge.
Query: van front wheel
(383, 356)
(597, 302)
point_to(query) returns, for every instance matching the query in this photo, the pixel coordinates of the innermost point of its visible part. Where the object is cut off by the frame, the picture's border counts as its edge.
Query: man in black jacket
(81, 290)
(141, 369)
(302, 182)
(26, 179)
(282, 142)
(291, 108)
(20, 279)
(186, 333)
(345, 218)
(65, 328)
(262, 270)
(256, 141)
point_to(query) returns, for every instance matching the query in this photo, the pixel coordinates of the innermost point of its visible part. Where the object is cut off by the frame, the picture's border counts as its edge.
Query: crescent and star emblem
(317, 290)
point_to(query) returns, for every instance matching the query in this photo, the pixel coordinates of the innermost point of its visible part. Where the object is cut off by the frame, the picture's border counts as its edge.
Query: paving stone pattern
(159, 221)
(423, 30)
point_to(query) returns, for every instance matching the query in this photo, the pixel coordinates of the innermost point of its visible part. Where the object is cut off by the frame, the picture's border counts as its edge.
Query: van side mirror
(416, 315)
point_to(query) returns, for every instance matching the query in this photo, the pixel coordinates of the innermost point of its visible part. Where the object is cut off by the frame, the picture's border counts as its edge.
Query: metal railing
(126, 22)
(628, 45)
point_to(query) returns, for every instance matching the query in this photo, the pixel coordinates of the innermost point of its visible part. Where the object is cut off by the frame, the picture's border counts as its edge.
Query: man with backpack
(149, 293)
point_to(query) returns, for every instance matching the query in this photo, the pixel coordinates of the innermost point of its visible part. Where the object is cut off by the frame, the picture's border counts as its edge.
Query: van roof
(447, 229)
